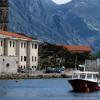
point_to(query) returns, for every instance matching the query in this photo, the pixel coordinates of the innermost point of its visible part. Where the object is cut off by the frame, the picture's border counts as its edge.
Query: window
(13, 43)
(10, 43)
(89, 76)
(24, 58)
(21, 58)
(0, 12)
(94, 76)
(24, 67)
(82, 76)
(7, 65)
(24, 45)
(32, 58)
(4, 2)
(35, 46)
(32, 45)
(75, 76)
(35, 58)
(21, 44)
(1, 43)
(21, 67)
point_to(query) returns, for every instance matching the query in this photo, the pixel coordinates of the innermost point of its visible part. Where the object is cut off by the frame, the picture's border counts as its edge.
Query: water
(42, 89)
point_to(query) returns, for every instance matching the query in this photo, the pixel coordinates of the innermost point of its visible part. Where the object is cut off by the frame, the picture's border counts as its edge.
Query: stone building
(19, 47)
(4, 15)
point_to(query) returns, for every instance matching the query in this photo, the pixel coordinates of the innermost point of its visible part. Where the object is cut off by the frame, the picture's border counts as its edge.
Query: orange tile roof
(74, 48)
(15, 35)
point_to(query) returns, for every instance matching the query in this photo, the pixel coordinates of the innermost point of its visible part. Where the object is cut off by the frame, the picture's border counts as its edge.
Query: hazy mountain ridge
(74, 23)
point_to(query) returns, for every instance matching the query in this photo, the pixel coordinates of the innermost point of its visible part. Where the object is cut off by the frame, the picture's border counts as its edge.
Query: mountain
(77, 22)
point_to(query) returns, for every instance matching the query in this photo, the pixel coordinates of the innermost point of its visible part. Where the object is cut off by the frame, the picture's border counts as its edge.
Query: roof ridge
(14, 34)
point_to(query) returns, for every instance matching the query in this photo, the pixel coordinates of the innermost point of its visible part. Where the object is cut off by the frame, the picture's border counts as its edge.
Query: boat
(85, 81)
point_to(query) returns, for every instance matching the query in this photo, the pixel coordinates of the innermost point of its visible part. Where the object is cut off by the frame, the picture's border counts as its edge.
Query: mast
(76, 62)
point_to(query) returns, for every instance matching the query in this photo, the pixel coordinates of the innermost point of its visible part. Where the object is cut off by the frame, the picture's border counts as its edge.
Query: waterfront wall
(8, 65)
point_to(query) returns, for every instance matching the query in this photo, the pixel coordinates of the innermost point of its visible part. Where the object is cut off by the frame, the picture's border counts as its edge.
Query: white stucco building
(23, 50)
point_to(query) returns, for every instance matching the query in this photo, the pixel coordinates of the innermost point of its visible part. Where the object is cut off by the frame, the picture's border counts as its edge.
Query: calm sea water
(42, 89)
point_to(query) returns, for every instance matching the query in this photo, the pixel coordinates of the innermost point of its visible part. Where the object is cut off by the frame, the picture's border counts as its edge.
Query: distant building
(76, 54)
(62, 55)
(22, 48)
(76, 48)
(4, 15)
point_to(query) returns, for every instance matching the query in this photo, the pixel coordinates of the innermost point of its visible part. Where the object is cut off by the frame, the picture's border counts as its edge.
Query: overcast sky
(61, 1)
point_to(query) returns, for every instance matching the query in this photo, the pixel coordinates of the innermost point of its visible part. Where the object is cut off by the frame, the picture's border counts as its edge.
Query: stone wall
(8, 65)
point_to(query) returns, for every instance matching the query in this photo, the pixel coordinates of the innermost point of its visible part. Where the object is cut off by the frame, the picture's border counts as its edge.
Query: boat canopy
(87, 75)
(84, 72)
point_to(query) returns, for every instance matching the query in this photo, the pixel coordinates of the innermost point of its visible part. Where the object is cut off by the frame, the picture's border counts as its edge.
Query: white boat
(85, 81)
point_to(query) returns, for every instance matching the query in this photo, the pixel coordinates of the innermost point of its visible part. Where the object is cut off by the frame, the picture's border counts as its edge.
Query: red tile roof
(15, 35)
(74, 48)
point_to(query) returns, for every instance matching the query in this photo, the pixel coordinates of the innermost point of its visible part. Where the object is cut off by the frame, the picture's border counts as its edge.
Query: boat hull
(80, 85)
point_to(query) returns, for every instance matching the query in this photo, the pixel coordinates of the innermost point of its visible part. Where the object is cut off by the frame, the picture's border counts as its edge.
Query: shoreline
(34, 76)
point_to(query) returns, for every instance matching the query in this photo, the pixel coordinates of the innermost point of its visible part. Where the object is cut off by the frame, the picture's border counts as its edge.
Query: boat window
(94, 76)
(99, 83)
(75, 76)
(82, 76)
(89, 76)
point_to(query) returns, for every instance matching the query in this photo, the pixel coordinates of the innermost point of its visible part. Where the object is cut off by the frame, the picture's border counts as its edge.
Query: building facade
(20, 46)
(4, 15)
